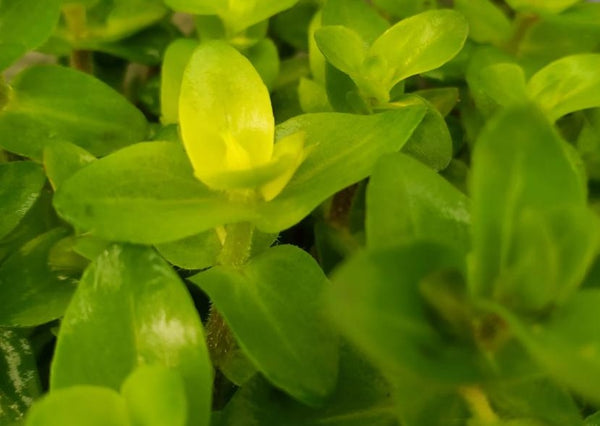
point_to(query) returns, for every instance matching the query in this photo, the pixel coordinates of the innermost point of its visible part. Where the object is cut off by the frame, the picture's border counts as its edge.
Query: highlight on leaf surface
(227, 124)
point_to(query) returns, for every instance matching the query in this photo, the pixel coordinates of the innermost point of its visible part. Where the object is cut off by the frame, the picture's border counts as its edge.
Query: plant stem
(237, 246)
(76, 19)
(5, 93)
(478, 404)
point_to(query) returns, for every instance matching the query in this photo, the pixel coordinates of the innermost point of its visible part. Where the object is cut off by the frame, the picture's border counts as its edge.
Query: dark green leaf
(273, 306)
(20, 186)
(33, 290)
(47, 105)
(130, 309)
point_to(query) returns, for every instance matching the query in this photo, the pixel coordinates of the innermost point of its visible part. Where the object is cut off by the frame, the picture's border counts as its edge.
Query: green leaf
(196, 252)
(444, 99)
(487, 22)
(133, 306)
(63, 159)
(176, 57)
(439, 35)
(504, 83)
(155, 396)
(273, 306)
(25, 25)
(404, 8)
(226, 118)
(567, 85)
(541, 6)
(567, 344)
(362, 397)
(33, 289)
(265, 58)
(20, 185)
(342, 47)
(519, 164)
(19, 381)
(312, 96)
(593, 420)
(376, 303)
(147, 194)
(355, 15)
(47, 106)
(407, 201)
(79, 405)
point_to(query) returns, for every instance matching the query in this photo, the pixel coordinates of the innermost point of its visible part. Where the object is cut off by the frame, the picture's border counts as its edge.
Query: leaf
(25, 25)
(567, 85)
(273, 307)
(593, 420)
(79, 405)
(312, 96)
(376, 303)
(519, 163)
(355, 15)
(196, 252)
(63, 159)
(341, 150)
(541, 6)
(131, 309)
(342, 47)
(19, 381)
(504, 83)
(487, 22)
(155, 396)
(175, 59)
(567, 344)
(362, 397)
(407, 201)
(47, 106)
(20, 185)
(265, 59)
(439, 35)
(33, 291)
(226, 118)
(146, 194)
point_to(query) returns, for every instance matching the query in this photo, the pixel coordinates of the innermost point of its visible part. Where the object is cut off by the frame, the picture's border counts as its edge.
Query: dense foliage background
(299, 212)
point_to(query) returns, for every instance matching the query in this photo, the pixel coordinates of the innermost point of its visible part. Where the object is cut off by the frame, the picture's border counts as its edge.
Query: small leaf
(155, 396)
(541, 6)
(265, 58)
(63, 159)
(273, 307)
(196, 252)
(131, 309)
(176, 57)
(567, 85)
(80, 405)
(19, 381)
(406, 201)
(20, 186)
(438, 34)
(504, 83)
(312, 96)
(355, 15)
(226, 118)
(487, 22)
(47, 106)
(342, 47)
(33, 290)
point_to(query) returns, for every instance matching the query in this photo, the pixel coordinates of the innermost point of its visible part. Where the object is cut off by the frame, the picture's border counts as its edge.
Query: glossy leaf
(519, 163)
(131, 304)
(155, 396)
(567, 85)
(487, 22)
(407, 201)
(362, 397)
(20, 185)
(176, 58)
(47, 106)
(33, 290)
(341, 150)
(148, 194)
(226, 118)
(273, 306)
(80, 405)
(440, 35)
(19, 381)
(63, 159)
(376, 303)
(24, 25)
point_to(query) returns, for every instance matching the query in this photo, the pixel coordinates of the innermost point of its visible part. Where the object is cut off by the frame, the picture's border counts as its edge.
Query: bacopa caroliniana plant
(299, 212)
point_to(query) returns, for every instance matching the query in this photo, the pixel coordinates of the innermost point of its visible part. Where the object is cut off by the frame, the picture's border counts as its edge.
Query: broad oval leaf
(131, 309)
(421, 43)
(567, 85)
(226, 118)
(46, 105)
(175, 59)
(273, 306)
(19, 381)
(33, 290)
(407, 201)
(80, 405)
(20, 186)
(342, 47)
(147, 194)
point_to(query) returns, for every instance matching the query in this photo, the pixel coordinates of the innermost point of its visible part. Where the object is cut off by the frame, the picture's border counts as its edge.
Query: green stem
(75, 16)
(478, 404)
(5, 93)
(238, 244)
